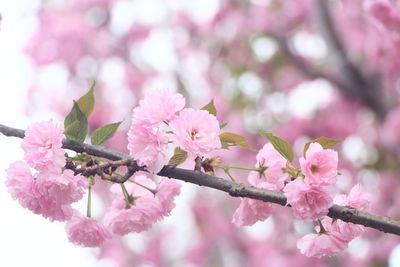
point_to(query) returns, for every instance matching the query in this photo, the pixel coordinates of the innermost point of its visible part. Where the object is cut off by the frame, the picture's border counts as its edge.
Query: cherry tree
(289, 107)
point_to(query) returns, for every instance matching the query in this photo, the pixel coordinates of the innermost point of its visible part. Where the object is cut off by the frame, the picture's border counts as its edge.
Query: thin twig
(347, 214)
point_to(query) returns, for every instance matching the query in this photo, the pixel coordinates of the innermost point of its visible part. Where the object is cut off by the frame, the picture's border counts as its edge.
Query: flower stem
(225, 167)
(230, 175)
(126, 195)
(89, 203)
(145, 187)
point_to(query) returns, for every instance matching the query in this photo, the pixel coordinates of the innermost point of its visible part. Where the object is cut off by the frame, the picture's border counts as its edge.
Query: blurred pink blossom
(166, 192)
(251, 211)
(20, 185)
(318, 245)
(86, 232)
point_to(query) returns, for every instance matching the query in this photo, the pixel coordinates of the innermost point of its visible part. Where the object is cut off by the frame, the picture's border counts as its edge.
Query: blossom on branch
(319, 165)
(196, 131)
(158, 106)
(86, 232)
(308, 202)
(42, 145)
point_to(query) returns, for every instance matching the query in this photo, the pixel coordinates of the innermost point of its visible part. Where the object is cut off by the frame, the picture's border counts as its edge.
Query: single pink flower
(63, 188)
(196, 131)
(42, 145)
(357, 198)
(146, 144)
(320, 165)
(342, 230)
(140, 215)
(251, 211)
(273, 176)
(55, 193)
(122, 220)
(46, 193)
(166, 192)
(318, 245)
(308, 202)
(86, 232)
(19, 182)
(158, 106)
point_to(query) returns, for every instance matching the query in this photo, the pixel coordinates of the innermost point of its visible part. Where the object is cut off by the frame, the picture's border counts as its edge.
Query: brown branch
(91, 170)
(347, 214)
(358, 85)
(302, 65)
(353, 81)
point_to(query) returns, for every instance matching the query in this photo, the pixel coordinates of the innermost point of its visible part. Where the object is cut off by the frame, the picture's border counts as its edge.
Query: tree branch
(358, 85)
(353, 81)
(347, 214)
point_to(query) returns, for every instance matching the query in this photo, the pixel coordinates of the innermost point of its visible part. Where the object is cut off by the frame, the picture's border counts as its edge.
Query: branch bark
(352, 81)
(358, 85)
(347, 214)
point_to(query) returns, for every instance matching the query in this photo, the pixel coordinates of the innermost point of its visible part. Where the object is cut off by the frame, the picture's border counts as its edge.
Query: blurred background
(300, 69)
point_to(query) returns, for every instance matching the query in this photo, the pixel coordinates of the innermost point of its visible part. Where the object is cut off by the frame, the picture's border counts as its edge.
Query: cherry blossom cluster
(48, 191)
(310, 191)
(155, 124)
(52, 188)
(159, 120)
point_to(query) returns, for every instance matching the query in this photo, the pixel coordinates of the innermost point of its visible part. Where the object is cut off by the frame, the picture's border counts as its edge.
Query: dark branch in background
(344, 213)
(362, 87)
(352, 80)
(301, 63)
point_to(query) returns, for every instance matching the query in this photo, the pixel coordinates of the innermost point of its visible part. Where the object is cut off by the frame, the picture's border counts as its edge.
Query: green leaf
(324, 142)
(76, 124)
(103, 133)
(86, 102)
(210, 108)
(223, 125)
(179, 157)
(282, 146)
(231, 139)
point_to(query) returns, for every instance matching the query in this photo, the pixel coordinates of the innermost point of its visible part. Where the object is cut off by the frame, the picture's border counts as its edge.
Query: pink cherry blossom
(273, 176)
(42, 145)
(63, 188)
(357, 198)
(158, 106)
(55, 192)
(320, 165)
(19, 182)
(342, 230)
(251, 211)
(137, 218)
(45, 193)
(86, 232)
(146, 144)
(196, 131)
(308, 202)
(318, 245)
(166, 192)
